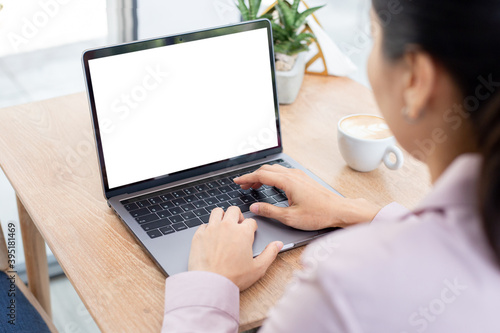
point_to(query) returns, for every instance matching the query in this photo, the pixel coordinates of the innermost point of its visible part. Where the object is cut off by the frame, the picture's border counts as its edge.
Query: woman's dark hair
(462, 36)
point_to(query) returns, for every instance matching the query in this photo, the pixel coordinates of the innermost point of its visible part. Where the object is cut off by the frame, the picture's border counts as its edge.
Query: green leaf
(295, 6)
(305, 37)
(279, 33)
(280, 13)
(290, 47)
(254, 6)
(267, 16)
(243, 10)
(302, 16)
(286, 15)
(282, 47)
(297, 49)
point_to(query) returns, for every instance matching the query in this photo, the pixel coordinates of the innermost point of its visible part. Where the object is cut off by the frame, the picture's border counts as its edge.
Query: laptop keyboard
(188, 206)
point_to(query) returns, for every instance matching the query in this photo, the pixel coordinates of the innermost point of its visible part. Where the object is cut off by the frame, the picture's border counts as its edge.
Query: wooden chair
(29, 314)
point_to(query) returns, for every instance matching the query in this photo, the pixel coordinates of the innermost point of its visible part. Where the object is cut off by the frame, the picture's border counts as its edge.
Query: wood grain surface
(4, 266)
(37, 268)
(48, 153)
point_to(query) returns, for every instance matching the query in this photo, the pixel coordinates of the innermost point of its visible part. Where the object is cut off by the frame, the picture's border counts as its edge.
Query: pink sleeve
(201, 302)
(392, 212)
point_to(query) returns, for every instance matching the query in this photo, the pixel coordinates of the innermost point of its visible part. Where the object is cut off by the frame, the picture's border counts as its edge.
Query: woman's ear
(419, 81)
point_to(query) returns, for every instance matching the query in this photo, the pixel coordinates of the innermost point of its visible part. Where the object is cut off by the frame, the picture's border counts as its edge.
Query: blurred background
(41, 42)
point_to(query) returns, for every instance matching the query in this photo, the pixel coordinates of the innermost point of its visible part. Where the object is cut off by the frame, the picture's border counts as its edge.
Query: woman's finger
(216, 215)
(270, 211)
(199, 231)
(242, 218)
(261, 176)
(250, 223)
(266, 258)
(250, 185)
(266, 167)
(233, 214)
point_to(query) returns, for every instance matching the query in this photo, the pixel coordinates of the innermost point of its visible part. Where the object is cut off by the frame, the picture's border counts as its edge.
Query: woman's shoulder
(402, 267)
(421, 244)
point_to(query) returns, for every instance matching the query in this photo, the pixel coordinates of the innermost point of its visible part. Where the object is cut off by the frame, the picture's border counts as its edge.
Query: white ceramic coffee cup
(365, 155)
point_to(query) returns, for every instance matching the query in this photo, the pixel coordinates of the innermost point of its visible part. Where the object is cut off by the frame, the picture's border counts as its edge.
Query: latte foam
(366, 127)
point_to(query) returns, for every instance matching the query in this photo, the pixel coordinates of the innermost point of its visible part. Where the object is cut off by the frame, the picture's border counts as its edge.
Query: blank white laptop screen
(172, 108)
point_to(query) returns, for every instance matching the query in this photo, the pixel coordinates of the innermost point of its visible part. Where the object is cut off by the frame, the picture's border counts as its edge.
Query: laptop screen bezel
(166, 41)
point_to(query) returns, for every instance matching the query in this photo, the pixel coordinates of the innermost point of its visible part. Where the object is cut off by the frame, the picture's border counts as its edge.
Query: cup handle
(399, 158)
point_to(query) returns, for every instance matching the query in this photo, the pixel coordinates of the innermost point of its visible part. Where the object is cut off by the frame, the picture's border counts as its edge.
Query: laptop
(177, 118)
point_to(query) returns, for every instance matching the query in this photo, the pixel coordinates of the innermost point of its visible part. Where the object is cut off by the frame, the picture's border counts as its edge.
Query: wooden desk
(47, 151)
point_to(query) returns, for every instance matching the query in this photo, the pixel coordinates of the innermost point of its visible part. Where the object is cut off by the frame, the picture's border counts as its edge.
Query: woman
(435, 73)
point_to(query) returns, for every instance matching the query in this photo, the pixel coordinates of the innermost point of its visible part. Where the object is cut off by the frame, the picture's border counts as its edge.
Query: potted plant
(290, 43)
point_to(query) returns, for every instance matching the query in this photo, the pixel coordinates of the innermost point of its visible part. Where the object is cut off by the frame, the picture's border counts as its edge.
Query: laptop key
(179, 202)
(190, 191)
(154, 233)
(147, 218)
(176, 219)
(155, 208)
(200, 212)
(178, 194)
(140, 212)
(223, 205)
(201, 187)
(167, 197)
(210, 208)
(224, 189)
(199, 204)
(175, 210)
(205, 218)
(244, 208)
(212, 185)
(190, 198)
(247, 199)
(224, 181)
(268, 200)
(131, 206)
(188, 216)
(223, 197)
(211, 201)
(187, 207)
(234, 186)
(245, 192)
(234, 194)
(270, 192)
(202, 195)
(167, 230)
(155, 200)
(280, 197)
(213, 192)
(179, 226)
(155, 225)
(235, 202)
(167, 205)
(143, 203)
(163, 214)
(193, 222)
(258, 195)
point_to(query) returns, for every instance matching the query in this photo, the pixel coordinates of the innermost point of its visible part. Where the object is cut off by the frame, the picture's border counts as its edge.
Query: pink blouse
(429, 270)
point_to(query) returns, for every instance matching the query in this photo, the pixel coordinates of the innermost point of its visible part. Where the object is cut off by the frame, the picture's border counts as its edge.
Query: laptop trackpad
(271, 230)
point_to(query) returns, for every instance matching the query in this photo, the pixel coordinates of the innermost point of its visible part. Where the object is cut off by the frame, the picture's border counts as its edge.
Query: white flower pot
(289, 82)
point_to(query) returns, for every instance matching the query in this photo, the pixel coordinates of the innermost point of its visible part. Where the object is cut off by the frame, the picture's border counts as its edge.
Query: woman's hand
(224, 246)
(311, 206)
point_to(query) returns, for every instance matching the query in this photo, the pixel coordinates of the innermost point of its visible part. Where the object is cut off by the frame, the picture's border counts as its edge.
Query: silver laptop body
(174, 113)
